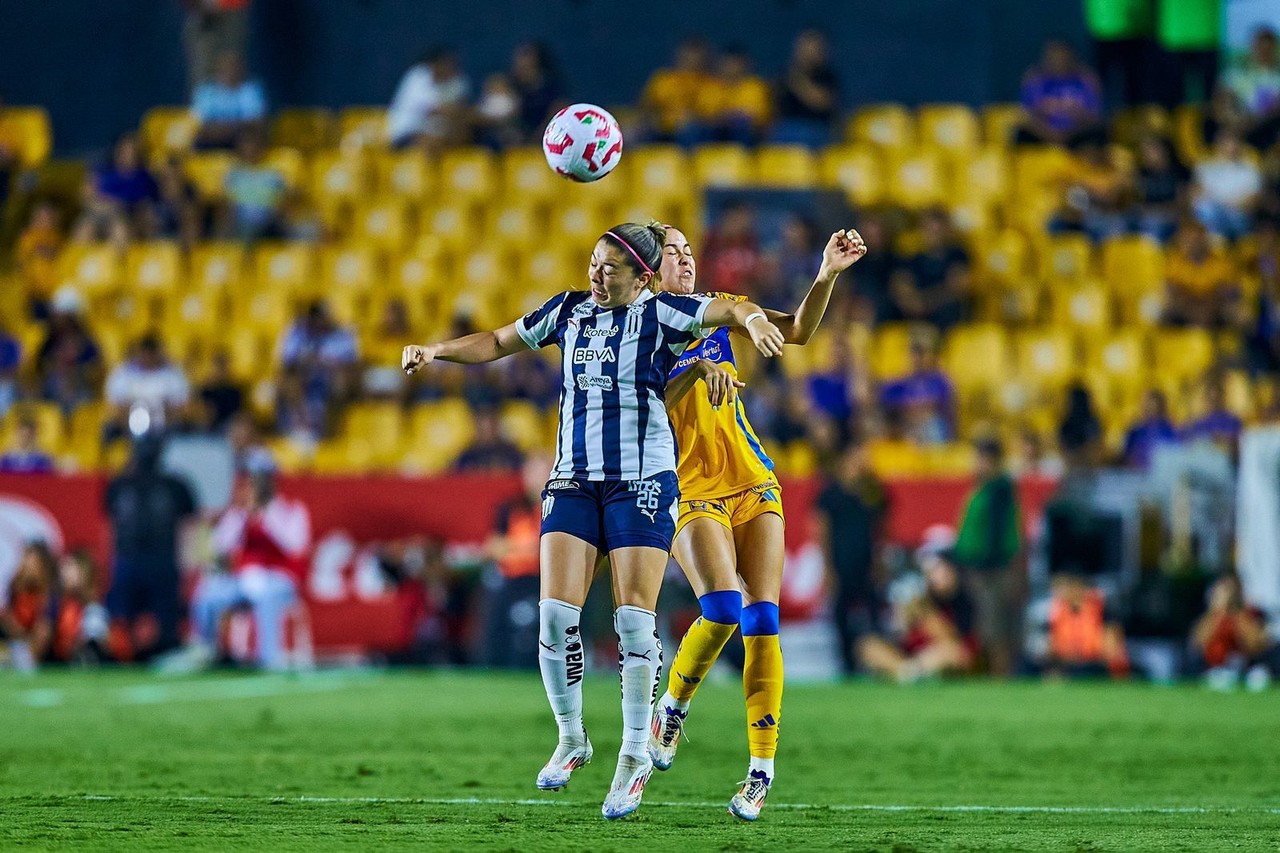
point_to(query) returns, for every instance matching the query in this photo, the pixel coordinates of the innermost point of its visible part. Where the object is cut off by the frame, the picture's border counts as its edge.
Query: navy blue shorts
(614, 514)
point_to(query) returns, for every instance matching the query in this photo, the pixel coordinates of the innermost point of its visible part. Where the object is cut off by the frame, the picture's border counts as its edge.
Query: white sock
(763, 764)
(561, 659)
(640, 669)
(669, 701)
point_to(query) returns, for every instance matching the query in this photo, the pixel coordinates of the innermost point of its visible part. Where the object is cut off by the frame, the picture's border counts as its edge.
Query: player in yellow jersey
(729, 534)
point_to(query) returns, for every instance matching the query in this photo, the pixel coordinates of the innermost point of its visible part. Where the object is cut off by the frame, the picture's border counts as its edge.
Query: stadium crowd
(1005, 251)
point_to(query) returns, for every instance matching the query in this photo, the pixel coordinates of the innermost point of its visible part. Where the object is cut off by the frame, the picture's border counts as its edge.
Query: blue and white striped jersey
(613, 417)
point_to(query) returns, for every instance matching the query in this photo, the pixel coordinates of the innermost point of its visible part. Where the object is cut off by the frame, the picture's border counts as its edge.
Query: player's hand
(767, 337)
(414, 358)
(721, 384)
(843, 250)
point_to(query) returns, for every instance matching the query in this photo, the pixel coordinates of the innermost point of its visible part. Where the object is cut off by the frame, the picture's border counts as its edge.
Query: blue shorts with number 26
(614, 514)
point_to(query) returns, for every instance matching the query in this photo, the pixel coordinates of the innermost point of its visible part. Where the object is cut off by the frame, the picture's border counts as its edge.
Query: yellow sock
(698, 651)
(762, 684)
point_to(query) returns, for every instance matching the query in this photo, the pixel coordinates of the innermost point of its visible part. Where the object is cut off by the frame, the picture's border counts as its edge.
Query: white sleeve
(118, 386)
(228, 533)
(289, 524)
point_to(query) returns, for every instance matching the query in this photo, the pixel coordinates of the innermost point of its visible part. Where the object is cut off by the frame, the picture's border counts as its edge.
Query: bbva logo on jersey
(587, 356)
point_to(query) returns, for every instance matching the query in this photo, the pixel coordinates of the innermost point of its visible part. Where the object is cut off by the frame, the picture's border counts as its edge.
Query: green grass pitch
(435, 761)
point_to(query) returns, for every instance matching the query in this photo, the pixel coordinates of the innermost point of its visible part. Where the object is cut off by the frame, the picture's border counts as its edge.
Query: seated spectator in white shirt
(26, 455)
(147, 392)
(228, 105)
(430, 105)
(1227, 186)
(1256, 86)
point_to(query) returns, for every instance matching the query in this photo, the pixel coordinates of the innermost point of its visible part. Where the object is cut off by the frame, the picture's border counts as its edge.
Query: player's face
(679, 271)
(613, 281)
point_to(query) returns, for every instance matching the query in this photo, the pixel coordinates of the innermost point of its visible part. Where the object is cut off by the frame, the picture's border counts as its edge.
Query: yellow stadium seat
(1002, 259)
(972, 217)
(1037, 172)
(51, 431)
(291, 165)
(893, 459)
(337, 182)
(1047, 357)
(526, 177)
(382, 425)
(362, 127)
(952, 128)
(454, 225)
(549, 270)
(419, 273)
(410, 173)
(31, 127)
(482, 271)
(217, 266)
(285, 267)
(1183, 354)
(384, 223)
(918, 180)
(660, 172)
(207, 171)
(976, 355)
(469, 174)
(1067, 258)
(304, 128)
(999, 121)
(126, 312)
(786, 166)
(93, 268)
(580, 223)
(522, 424)
(351, 268)
(169, 130)
(856, 169)
(1123, 356)
(1188, 133)
(1133, 265)
(949, 460)
(514, 227)
(154, 267)
(269, 311)
(722, 165)
(438, 432)
(891, 350)
(1131, 124)
(201, 311)
(1241, 397)
(984, 175)
(888, 126)
(1085, 309)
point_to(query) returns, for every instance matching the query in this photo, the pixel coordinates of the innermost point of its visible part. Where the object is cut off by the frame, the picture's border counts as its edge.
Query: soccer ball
(582, 142)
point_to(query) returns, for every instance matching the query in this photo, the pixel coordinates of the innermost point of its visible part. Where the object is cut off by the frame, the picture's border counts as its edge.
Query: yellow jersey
(719, 453)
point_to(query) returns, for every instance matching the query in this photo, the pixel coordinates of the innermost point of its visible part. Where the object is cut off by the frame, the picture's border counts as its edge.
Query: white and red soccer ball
(582, 143)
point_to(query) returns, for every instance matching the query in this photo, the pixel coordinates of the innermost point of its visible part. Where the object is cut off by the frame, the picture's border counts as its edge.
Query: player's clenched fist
(415, 357)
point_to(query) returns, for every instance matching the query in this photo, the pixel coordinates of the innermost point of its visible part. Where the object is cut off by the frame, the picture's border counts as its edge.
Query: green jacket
(990, 527)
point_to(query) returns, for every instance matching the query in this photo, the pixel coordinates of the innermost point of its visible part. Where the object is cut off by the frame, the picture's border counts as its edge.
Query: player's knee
(723, 606)
(759, 619)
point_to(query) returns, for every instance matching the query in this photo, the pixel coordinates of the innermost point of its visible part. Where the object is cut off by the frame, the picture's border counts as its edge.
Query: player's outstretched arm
(749, 317)
(722, 385)
(842, 251)
(469, 349)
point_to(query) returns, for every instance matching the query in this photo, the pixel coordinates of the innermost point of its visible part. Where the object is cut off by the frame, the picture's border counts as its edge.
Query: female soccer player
(614, 487)
(729, 533)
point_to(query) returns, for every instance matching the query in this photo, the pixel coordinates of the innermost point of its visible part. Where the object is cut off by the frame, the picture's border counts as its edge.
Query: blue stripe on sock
(723, 606)
(760, 619)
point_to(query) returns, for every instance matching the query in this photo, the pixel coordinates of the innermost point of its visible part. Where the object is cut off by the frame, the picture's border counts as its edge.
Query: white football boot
(746, 804)
(628, 786)
(567, 758)
(664, 735)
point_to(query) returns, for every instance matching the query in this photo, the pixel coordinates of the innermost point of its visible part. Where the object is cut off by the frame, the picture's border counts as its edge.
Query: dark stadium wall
(99, 64)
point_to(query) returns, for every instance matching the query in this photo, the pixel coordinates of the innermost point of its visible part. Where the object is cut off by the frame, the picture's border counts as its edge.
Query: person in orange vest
(1085, 637)
(513, 547)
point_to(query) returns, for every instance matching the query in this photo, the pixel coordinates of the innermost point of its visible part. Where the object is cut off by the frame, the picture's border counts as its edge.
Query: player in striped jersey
(613, 488)
(729, 538)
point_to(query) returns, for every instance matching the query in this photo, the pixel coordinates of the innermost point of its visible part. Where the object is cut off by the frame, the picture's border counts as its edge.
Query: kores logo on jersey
(588, 356)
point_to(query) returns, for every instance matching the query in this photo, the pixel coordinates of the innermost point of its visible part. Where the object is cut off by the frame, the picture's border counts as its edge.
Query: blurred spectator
(934, 284)
(80, 625)
(937, 626)
(851, 512)
(1224, 114)
(37, 256)
(497, 116)
(735, 105)
(513, 547)
(1218, 424)
(809, 94)
(210, 29)
(25, 456)
(10, 362)
(320, 361)
(532, 378)
(147, 391)
(119, 196)
(489, 451)
(670, 98)
(265, 538)
(10, 153)
(788, 271)
(1152, 429)
(382, 374)
(1159, 185)
(430, 104)
(1264, 338)
(1231, 638)
(177, 214)
(1202, 285)
(1256, 84)
(26, 617)
(1156, 622)
(1085, 637)
(146, 508)
(1032, 458)
(987, 548)
(833, 387)
(873, 275)
(1226, 188)
(1080, 433)
(1120, 31)
(1061, 100)
(1097, 191)
(925, 396)
(228, 104)
(731, 258)
(69, 363)
(242, 437)
(791, 419)
(256, 194)
(221, 396)
(538, 86)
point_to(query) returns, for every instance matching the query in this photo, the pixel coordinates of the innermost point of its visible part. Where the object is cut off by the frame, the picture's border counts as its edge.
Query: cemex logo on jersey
(587, 356)
(604, 383)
